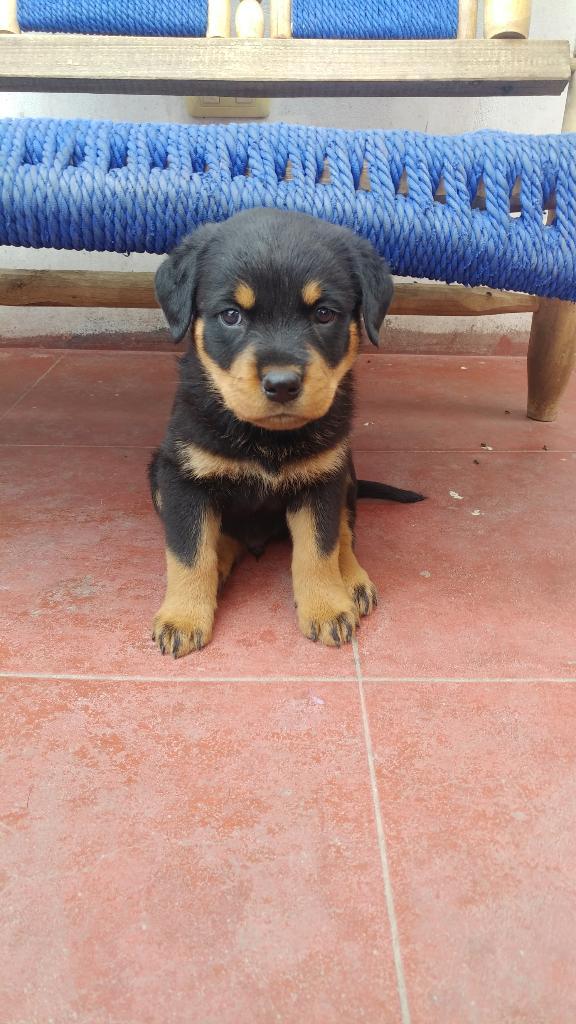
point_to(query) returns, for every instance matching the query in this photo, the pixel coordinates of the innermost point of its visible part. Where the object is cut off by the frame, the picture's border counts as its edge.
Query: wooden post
(507, 19)
(249, 20)
(8, 18)
(552, 349)
(219, 15)
(281, 19)
(467, 19)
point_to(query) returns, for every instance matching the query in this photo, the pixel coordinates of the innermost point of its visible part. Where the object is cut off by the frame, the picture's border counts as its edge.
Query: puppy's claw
(336, 627)
(365, 598)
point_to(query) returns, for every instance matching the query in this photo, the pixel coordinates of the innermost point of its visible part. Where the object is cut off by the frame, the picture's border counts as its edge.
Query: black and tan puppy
(258, 440)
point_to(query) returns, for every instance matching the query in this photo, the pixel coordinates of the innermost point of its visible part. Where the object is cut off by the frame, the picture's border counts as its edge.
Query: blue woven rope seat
(115, 17)
(374, 19)
(110, 187)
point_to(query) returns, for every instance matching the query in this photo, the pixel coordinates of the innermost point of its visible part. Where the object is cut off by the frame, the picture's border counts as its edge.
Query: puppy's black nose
(282, 385)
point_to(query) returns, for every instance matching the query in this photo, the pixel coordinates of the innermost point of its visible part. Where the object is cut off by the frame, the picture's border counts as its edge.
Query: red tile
(189, 853)
(19, 371)
(121, 398)
(478, 794)
(83, 575)
(429, 403)
(477, 586)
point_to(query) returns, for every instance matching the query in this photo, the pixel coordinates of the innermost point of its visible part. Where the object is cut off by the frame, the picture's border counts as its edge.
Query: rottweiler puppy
(258, 443)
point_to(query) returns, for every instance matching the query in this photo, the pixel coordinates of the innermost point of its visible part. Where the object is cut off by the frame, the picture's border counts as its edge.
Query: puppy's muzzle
(282, 386)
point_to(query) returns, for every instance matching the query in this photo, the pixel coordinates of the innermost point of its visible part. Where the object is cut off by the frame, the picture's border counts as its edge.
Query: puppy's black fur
(258, 437)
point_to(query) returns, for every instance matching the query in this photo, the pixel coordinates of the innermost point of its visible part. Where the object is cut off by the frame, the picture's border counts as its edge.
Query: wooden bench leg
(553, 336)
(551, 356)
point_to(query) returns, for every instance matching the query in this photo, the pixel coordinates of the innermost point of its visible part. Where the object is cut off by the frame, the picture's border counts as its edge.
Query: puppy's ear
(375, 286)
(177, 279)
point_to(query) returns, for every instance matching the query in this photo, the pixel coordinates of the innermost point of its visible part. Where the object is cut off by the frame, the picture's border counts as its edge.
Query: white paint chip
(454, 494)
(426, 573)
(476, 512)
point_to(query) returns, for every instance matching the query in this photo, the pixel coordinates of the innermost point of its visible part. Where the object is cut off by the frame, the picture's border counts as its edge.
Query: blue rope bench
(110, 187)
(115, 17)
(374, 19)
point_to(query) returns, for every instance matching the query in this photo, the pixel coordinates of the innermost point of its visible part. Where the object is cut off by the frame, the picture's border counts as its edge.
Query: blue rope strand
(115, 17)
(109, 187)
(374, 19)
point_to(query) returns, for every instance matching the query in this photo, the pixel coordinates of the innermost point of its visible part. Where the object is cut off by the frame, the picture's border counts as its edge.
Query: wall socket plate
(214, 108)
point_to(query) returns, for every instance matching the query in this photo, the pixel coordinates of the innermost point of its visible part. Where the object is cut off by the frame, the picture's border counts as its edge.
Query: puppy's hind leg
(229, 550)
(356, 580)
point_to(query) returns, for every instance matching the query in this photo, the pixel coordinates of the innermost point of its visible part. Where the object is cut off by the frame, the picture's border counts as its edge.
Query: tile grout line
(308, 680)
(78, 677)
(484, 680)
(388, 893)
(31, 388)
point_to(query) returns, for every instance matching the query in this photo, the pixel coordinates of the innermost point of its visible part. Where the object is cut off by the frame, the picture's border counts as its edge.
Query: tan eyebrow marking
(311, 292)
(245, 295)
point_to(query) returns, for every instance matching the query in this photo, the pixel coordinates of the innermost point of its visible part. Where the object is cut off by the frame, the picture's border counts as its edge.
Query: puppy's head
(277, 301)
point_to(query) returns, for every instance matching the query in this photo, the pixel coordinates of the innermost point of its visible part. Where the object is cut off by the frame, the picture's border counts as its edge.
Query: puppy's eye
(323, 315)
(231, 317)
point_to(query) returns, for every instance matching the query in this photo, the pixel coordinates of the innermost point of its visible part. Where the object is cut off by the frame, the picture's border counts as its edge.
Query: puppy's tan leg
(184, 622)
(229, 551)
(326, 612)
(356, 580)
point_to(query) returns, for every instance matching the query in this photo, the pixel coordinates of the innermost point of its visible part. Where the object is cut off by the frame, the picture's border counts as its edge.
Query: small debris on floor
(507, 412)
(454, 494)
(486, 446)
(426, 573)
(544, 447)
(476, 512)
(476, 462)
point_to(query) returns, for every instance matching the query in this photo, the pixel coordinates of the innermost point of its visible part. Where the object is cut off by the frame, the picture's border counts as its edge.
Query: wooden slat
(281, 19)
(467, 19)
(283, 67)
(8, 16)
(117, 290)
(456, 300)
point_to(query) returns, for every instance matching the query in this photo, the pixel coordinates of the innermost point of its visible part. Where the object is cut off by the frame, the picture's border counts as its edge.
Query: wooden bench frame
(504, 64)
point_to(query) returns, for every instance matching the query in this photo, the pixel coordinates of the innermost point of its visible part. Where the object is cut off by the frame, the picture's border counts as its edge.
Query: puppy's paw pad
(179, 637)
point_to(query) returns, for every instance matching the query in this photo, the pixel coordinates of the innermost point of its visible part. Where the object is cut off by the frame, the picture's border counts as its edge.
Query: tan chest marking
(199, 463)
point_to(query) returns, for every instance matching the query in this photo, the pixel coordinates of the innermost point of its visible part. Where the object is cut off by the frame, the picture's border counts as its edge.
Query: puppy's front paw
(178, 635)
(331, 618)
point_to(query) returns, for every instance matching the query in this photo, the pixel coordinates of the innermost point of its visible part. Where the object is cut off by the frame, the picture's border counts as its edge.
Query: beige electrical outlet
(213, 108)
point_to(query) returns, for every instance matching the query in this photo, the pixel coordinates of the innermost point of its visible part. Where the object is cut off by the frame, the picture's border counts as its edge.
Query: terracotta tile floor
(272, 831)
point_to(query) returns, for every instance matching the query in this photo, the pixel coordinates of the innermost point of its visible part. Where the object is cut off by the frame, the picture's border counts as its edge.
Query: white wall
(552, 19)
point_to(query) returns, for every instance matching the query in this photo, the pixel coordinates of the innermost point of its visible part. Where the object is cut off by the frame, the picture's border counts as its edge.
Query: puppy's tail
(371, 489)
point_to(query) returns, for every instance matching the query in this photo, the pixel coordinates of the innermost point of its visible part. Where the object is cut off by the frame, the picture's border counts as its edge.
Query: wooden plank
(118, 290)
(457, 300)
(283, 67)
